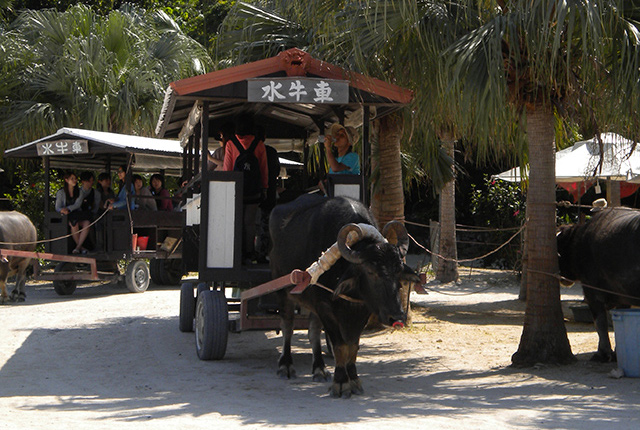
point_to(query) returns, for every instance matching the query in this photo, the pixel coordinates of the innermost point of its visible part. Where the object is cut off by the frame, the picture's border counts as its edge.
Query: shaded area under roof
(149, 154)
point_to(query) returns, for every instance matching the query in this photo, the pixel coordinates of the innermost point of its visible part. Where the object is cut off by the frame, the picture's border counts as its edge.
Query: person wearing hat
(346, 161)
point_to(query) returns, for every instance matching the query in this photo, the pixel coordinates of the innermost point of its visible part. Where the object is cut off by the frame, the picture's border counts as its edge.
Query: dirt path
(105, 358)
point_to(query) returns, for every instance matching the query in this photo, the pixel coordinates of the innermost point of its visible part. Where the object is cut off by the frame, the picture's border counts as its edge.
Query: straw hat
(351, 133)
(599, 204)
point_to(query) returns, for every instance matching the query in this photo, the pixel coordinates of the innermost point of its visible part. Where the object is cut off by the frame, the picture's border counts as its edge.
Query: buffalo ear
(409, 275)
(345, 286)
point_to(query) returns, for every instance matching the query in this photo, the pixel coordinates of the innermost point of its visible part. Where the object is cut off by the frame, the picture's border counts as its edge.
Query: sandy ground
(105, 358)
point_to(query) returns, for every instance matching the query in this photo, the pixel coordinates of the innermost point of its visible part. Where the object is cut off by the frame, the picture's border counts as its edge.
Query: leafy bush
(28, 197)
(497, 204)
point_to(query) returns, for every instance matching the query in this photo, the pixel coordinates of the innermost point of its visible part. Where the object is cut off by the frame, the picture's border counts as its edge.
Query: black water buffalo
(364, 280)
(15, 228)
(604, 253)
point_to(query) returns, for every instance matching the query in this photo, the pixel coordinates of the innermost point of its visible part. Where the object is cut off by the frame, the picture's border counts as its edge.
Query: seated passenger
(142, 200)
(69, 201)
(157, 189)
(104, 194)
(216, 159)
(121, 200)
(344, 160)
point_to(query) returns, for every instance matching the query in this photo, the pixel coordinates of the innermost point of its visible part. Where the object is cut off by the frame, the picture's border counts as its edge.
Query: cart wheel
(187, 307)
(202, 286)
(155, 268)
(171, 271)
(166, 271)
(212, 325)
(137, 276)
(64, 288)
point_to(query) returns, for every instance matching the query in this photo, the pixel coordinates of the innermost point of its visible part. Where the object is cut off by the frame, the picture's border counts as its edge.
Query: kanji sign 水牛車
(297, 90)
(63, 147)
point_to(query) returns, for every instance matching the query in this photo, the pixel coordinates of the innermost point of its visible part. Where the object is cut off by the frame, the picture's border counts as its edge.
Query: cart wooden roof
(228, 93)
(73, 148)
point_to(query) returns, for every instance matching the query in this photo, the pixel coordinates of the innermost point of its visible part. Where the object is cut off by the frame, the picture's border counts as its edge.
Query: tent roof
(150, 154)
(227, 93)
(580, 162)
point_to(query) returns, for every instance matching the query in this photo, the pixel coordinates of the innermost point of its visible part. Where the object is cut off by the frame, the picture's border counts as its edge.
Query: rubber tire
(155, 267)
(64, 288)
(166, 271)
(137, 277)
(187, 307)
(171, 273)
(211, 325)
(202, 286)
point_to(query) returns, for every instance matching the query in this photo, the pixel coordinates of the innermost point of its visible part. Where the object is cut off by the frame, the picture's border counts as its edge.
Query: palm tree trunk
(447, 267)
(387, 202)
(544, 336)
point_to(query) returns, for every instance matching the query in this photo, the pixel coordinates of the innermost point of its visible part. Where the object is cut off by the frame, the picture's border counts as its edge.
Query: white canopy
(580, 161)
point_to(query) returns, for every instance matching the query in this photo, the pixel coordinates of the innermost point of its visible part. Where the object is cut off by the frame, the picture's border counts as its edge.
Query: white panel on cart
(193, 210)
(347, 190)
(222, 216)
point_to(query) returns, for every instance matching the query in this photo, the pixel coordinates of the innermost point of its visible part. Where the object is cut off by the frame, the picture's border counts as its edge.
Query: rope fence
(55, 238)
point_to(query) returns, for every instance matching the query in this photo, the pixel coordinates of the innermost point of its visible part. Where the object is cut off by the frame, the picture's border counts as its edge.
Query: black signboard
(63, 147)
(298, 90)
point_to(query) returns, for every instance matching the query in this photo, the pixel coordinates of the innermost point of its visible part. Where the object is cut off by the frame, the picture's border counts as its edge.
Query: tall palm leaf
(77, 68)
(533, 57)
(403, 41)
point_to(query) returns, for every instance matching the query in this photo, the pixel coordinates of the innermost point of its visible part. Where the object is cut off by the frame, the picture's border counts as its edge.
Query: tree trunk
(447, 267)
(544, 336)
(387, 202)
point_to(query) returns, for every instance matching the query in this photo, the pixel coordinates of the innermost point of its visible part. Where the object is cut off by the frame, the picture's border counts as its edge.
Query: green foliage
(501, 206)
(78, 68)
(498, 204)
(199, 20)
(28, 197)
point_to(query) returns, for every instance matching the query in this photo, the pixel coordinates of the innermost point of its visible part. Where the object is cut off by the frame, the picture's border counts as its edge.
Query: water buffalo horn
(401, 239)
(347, 253)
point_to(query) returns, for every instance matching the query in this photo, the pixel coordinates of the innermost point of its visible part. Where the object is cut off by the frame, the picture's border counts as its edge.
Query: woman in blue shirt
(346, 161)
(121, 199)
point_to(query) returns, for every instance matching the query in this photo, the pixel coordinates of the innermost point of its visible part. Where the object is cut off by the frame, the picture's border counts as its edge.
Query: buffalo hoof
(604, 357)
(286, 372)
(356, 386)
(346, 389)
(321, 375)
(18, 297)
(4, 300)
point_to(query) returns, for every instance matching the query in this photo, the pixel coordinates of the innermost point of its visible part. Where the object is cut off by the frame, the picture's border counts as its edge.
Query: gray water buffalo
(604, 253)
(359, 274)
(15, 228)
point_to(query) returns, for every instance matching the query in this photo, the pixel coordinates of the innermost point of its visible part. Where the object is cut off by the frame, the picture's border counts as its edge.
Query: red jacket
(231, 153)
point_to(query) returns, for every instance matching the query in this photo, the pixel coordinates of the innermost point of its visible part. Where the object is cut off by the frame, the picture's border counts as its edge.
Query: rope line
(342, 296)
(468, 260)
(466, 227)
(55, 238)
(562, 278)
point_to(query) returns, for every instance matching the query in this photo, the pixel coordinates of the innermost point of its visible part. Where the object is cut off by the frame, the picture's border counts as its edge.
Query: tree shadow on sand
(148, 371)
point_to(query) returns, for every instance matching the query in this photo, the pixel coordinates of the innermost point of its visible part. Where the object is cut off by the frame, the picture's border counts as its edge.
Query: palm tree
(250, 33)
(77, 68)
(536, 58)
(384, 35)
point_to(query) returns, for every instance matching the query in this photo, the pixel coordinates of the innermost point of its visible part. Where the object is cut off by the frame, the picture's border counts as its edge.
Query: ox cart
(294, 97)
(114, 237)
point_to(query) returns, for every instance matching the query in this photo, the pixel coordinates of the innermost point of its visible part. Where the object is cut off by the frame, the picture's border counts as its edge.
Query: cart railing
(91, 275)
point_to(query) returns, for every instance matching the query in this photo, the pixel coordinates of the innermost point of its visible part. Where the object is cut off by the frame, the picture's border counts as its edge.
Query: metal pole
(203, 132)
(366, 157)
